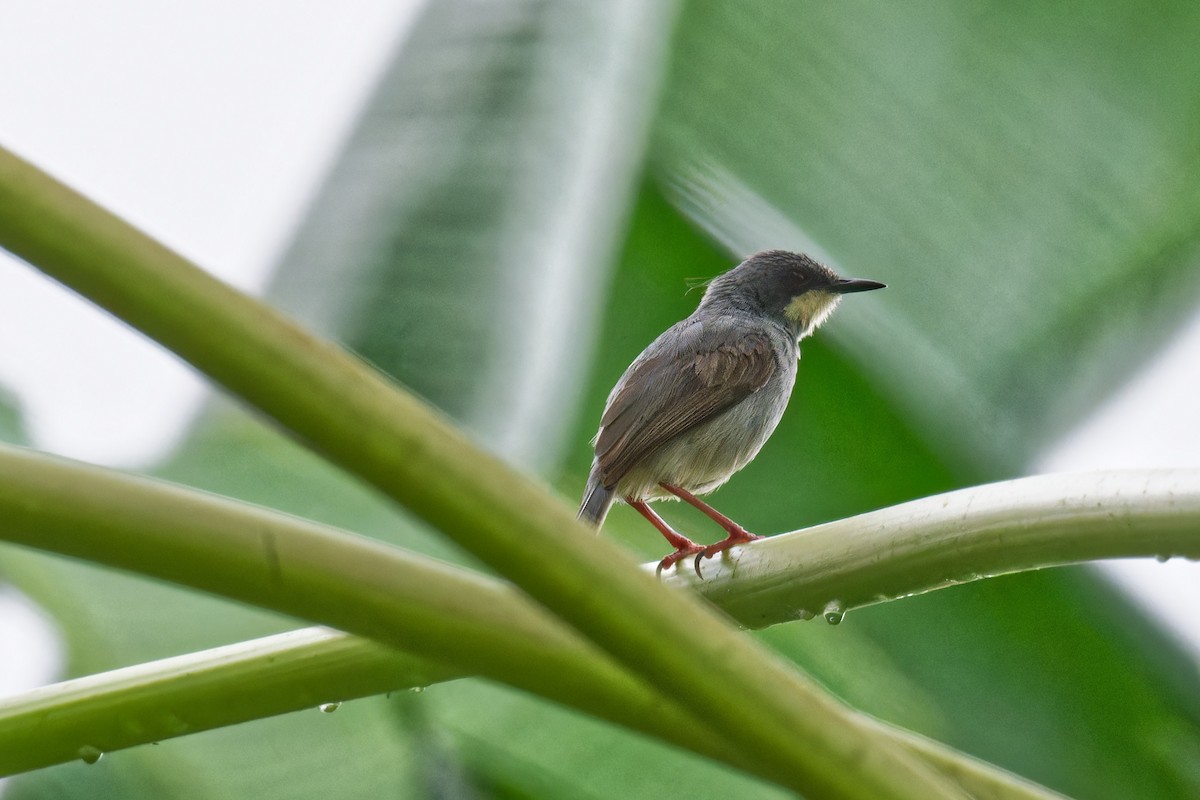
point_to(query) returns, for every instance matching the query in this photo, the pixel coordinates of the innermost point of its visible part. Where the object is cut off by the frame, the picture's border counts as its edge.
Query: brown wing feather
(666, 395)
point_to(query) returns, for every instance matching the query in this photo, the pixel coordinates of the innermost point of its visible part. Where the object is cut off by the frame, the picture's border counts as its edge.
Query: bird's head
(790, 288)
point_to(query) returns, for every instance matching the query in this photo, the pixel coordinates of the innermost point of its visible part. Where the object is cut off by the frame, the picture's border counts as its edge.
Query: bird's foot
(739, 536)
(684, 547)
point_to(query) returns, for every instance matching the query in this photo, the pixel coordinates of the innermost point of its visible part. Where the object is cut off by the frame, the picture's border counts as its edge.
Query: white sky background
(205, 124)
(209, 125)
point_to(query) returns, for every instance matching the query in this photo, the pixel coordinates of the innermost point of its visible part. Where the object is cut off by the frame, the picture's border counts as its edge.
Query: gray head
(789, 288)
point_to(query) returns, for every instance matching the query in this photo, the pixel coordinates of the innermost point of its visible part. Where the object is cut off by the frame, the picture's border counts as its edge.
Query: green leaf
(1026, 178)
(11, 429)
(576, 755)
(1021, 662)
(461, 241)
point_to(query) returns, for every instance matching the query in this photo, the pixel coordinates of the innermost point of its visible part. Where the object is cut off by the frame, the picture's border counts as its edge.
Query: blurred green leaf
(578, 756)
(10, 420)
(1022, 664)
(1026, 177)
(461, 241)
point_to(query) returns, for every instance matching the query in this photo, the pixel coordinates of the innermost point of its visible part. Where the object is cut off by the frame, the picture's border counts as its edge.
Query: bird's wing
(676, 387)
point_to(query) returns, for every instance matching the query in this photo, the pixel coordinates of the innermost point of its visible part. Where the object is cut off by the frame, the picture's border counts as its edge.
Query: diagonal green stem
(467, 624)
(471, 624)
(356, 419)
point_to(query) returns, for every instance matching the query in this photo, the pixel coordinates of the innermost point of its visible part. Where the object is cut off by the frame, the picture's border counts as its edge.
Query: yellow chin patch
(810, 309)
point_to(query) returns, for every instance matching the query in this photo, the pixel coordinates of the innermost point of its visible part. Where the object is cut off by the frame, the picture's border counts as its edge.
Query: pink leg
(737, 534)
(683, 546)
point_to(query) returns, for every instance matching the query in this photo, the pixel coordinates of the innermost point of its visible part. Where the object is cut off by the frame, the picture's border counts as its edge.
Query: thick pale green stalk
(472, 623)
(1041, 521)
(354, 417)
(160, 700)
(299, 670)
(125, 521)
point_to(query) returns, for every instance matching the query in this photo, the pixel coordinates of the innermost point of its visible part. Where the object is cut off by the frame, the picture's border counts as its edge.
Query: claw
(740, 537)
(682, 552)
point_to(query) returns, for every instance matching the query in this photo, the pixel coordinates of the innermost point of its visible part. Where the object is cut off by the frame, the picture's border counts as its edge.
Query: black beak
(848, 285)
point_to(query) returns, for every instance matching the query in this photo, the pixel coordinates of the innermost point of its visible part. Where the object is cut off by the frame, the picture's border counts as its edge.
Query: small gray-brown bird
(699, 403)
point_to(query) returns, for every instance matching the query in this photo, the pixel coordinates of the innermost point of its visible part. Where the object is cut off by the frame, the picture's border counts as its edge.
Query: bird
(703, 398)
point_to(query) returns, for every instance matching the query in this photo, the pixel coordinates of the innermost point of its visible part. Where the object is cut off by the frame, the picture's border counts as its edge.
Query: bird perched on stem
(699, 403)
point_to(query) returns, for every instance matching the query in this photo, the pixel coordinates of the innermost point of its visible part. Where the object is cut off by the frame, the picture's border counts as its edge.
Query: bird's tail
(597, 500)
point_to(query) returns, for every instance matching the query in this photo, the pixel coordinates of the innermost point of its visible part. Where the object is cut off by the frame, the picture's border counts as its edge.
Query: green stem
(124, 521)
(183, 695)
(470, 622)
(952, 538)
(466, 623)
(358, 420)
(299, 670)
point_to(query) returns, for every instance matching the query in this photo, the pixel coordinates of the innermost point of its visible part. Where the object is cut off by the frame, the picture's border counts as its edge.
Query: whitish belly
(704, 458)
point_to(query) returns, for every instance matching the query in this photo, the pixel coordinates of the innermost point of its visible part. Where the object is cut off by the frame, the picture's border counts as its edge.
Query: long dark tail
(597, 500)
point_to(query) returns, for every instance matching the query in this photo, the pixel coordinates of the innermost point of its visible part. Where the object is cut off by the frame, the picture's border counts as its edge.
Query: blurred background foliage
(517, 214)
